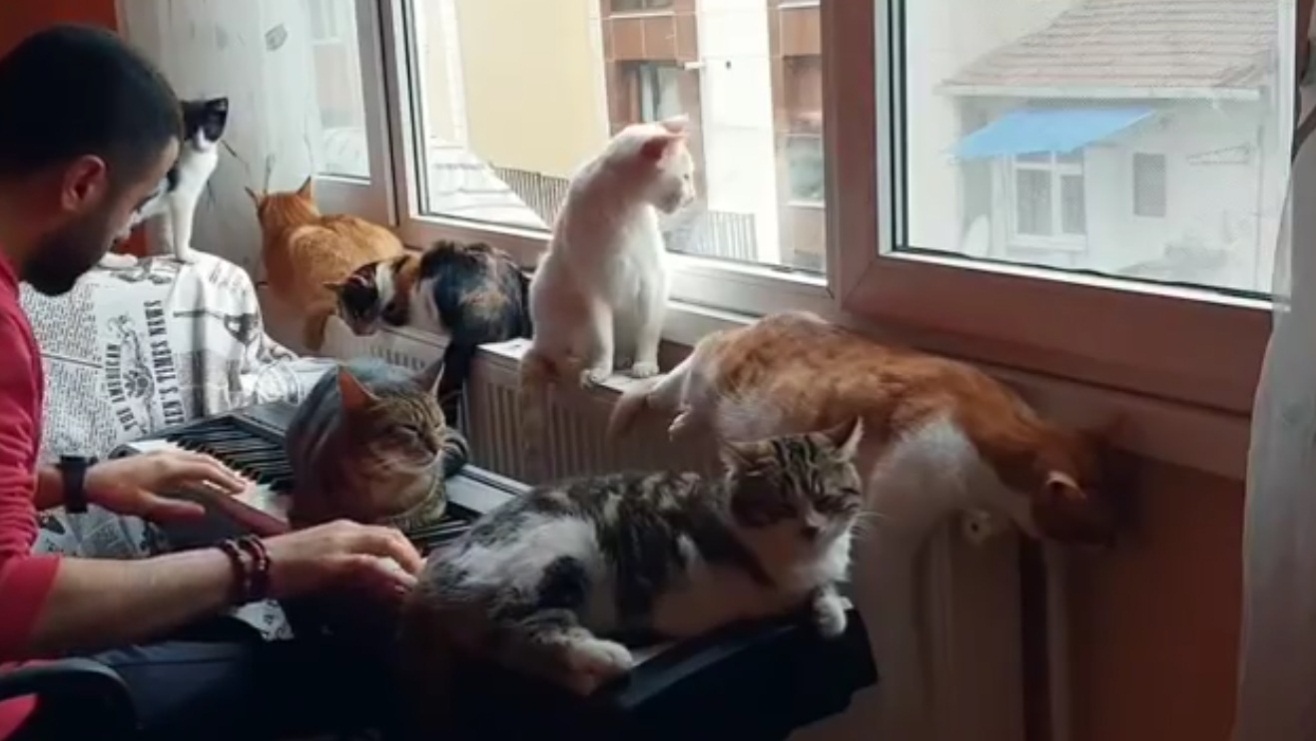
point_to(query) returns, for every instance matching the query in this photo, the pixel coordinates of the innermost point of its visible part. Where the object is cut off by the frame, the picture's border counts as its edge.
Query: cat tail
(660, 393)
(537, 374)
(457, 361)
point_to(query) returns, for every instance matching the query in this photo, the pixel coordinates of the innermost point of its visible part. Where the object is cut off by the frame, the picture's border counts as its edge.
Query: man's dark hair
(70, 91)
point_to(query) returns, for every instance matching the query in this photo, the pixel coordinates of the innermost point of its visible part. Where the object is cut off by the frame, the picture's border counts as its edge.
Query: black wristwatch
(73, 472)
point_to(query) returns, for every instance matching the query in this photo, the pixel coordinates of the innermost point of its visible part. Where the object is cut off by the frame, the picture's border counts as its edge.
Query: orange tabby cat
(305, 253)
(933, 425)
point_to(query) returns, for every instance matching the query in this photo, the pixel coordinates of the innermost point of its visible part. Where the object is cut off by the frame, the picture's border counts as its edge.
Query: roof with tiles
(1145, 45)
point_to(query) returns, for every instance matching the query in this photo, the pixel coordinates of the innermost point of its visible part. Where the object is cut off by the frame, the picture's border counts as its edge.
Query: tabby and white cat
(545, 582)
(176, 197)
(600, 294)
(370, 443)
(472, 294)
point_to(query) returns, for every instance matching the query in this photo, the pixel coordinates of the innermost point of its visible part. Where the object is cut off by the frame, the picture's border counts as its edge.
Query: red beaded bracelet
(241, 592)
(259, 575)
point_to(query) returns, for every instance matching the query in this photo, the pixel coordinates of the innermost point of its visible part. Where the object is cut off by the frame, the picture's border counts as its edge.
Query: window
(804, 162)
(1149, 185)
(1105, 81)
(657, 89)
(966, 182)
(324, 21)
(632, 6)
(980, 246)
(500, 115)
(348, 144)
(1049, 202)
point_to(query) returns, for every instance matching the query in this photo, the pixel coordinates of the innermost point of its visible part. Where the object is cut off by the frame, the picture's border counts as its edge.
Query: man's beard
(63, 257)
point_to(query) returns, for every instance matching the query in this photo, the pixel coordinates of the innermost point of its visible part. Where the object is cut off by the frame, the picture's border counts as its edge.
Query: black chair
(77, 692)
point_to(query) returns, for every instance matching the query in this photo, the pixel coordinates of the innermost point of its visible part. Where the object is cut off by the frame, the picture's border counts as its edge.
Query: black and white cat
(177, 195)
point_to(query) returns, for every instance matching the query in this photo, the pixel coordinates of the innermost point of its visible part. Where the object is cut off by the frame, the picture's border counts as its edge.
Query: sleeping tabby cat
(543, 583)
(471, 293)
(303, 250)
(369, 443)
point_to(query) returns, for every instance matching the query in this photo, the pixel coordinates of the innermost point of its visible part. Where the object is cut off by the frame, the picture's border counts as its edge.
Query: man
(87, 130)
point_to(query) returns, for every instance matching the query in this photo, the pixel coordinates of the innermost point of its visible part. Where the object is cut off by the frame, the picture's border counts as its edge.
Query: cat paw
(591, 377)
(829, 616)
(118, 261)
(594, 662)
(644, 370)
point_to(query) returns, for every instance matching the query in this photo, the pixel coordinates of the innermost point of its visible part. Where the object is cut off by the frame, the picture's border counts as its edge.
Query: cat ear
(657, 146)
(845, 437)
(307, 189)
(430, 378)
(355, 396)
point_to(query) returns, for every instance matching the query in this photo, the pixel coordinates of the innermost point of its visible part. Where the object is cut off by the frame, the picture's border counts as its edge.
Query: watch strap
(73, 473)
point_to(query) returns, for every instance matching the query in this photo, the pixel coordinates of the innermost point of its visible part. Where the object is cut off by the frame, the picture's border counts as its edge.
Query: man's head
(88, 128)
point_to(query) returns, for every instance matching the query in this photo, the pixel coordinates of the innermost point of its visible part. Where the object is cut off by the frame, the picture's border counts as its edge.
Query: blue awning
(1037, 130)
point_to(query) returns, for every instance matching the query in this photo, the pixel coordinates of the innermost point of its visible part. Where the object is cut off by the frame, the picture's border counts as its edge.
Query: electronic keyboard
(753, 682)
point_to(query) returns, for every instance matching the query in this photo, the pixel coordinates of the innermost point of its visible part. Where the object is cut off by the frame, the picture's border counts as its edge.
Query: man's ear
(85, 182)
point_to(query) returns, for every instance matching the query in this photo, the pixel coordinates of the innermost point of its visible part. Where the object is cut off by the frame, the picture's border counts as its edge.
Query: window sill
(1174, 433)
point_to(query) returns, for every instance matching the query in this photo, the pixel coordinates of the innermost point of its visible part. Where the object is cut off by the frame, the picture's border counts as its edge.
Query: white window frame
(1173, 344)
(1056, 171)
(371, 197)
(1178, 367)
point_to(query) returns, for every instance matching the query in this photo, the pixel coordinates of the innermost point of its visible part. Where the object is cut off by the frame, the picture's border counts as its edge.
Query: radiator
(943, 609)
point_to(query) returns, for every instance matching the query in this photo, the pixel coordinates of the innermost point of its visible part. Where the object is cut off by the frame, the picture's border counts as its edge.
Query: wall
(19, 18)
(1157, 621)
(556, 75)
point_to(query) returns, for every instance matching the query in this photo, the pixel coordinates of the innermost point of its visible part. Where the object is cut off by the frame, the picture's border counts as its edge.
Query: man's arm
(49, 491)
(50, 605)
(97, 604)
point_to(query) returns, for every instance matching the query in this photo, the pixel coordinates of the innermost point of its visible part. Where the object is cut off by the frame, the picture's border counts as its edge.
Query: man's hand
(342, 554)
(135, 485)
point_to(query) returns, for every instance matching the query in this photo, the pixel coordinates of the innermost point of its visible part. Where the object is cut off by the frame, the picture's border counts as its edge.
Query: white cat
(177, 196)
(600, 293)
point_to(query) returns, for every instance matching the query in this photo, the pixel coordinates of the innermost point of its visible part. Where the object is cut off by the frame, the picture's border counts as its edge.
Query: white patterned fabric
(130, 352)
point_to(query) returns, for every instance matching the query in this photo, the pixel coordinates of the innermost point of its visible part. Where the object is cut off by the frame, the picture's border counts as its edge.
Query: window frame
(371, 197)
(705, 293)
(984, 312)
(1005, 314)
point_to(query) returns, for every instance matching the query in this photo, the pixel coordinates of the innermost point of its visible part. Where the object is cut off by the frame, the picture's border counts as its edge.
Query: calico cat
(304, 251)
(926, 417)
(176, 197)
(369, 443)
(600, 293)
(471, 293)
(546, 581)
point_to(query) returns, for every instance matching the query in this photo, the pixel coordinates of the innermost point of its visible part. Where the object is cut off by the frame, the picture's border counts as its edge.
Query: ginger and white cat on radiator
(599, 296)
(936, 427)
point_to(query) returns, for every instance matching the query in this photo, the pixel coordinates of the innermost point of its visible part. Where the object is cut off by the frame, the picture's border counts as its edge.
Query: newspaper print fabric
(131, 352)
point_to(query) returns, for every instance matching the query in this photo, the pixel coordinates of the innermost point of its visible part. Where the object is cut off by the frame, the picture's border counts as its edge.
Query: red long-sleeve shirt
(25, 580)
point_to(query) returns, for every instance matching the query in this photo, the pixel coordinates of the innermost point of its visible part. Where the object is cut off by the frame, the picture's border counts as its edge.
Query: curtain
(1277, 667)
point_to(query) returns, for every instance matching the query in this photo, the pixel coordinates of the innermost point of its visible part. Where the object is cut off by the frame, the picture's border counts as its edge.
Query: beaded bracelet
(241, 592)
(259, 575)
